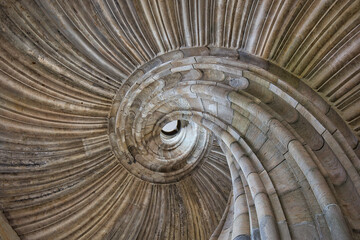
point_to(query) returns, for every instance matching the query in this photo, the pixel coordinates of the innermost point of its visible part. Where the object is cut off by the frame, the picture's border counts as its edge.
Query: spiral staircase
(264, 94)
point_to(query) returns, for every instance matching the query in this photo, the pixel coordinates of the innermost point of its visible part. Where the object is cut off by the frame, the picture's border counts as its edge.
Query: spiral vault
(263, 95)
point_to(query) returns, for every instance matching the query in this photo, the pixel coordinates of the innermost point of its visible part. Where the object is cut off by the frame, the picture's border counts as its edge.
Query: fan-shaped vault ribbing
(266, 95)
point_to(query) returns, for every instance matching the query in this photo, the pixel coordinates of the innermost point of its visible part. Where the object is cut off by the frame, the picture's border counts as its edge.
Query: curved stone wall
(265, 92)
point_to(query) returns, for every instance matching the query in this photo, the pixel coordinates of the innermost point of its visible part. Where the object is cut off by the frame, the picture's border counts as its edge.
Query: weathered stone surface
(264, 97)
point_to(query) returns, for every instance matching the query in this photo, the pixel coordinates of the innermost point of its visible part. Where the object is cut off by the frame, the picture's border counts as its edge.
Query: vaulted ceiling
(267, 98)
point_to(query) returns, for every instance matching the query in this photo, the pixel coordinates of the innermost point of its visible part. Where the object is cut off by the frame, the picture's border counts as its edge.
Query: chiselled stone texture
(266, 94)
